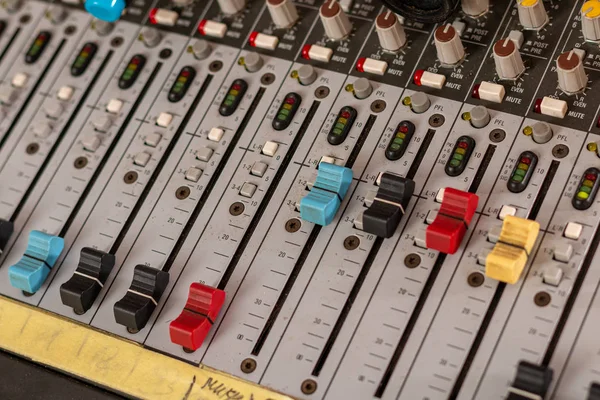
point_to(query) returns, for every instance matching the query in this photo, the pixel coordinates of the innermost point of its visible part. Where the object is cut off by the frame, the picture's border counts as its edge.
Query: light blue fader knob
(33, 268)
(105, 10)
(326, 195)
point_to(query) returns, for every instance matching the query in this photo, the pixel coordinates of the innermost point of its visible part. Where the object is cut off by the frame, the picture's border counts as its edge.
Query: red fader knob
(450, 225)
(202, 308)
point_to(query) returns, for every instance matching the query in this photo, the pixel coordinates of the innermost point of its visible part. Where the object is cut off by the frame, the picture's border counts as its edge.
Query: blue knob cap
(106, 10)
(326, 195)
(33, 268)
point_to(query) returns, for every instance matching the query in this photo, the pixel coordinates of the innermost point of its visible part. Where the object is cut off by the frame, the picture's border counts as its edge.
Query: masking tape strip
(113, 362)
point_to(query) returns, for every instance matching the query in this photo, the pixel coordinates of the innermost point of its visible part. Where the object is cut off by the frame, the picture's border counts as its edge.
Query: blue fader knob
(105, 10)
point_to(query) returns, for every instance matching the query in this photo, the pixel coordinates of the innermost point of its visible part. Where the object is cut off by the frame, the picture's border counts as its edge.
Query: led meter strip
(114, 363)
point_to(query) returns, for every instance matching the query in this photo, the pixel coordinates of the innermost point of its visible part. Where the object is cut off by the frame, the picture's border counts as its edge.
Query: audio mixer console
(275, 199)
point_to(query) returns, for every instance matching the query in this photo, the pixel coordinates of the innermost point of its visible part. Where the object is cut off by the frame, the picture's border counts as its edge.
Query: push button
(30, 272)
(452, 221)
(384, 214)
(326, 194)
(91, 274)
(140, 301)
(511, 252)
(191, 327)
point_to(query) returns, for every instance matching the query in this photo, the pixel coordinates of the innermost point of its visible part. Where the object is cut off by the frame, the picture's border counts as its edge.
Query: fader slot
(241, 103)
(470, 291)
(552, 286)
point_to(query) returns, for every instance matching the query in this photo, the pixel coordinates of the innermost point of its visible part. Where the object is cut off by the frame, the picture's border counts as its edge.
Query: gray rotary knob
(151, 37)
(283, 12)
(201, 49)
(253, 62)
(480, 116)
(362, 88)
(103, 28)
(12, 5)
(450, 50)
(335, 21)
(475, 8)
(590, 20)
(542, 132)
(307, 74)
(509, 64)
(56, 14)
(419, 102)
(571, 75)
(390, 32)
(231, 7)
(532, 14)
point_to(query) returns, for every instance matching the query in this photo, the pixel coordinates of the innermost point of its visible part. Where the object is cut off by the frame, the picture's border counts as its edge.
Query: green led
(585, 189)
(337, 131)
(398, 140)
(458, 157)
(520, 172)
(517, 178)
(454, 163)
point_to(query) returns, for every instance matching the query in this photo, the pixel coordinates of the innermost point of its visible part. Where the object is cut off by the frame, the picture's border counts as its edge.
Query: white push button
(153, 139)
(573, 230)
(563, 252)
(507, 210)
(65, 93)
(91, 142)
(215, 134)
(193, 174)
(42, 129)
(164, 119)
(439, 197)
(20, 80)
(141, 159)
(166, 17)
(248, 189)
(204, 154)
(114, 106)
(552, 275)
(270, 148)
(102, 124)
(259, 168)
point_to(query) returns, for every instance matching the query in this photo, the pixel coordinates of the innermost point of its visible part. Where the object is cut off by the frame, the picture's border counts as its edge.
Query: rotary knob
(12, 5)
(509, 64)
(590, 20)
(283, 13)
(335, 21)
(253, 62)
(475, 8)
(479, 116)
(532, 14)
(450, 50)
(571, 75)
(362, 88)
(307, 74)
(151, 37)
(106, 10)
(102, 28)
(201, 49)
(390, 32)
(231, 7)
(56, 14)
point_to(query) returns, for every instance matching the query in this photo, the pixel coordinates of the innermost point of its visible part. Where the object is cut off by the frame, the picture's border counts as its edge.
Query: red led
(152, 16)
(237, 87)
(526, 160)
(463, 145)
(360, 64)
(404, 129)
(252, 39)
(345, 114)
(185, 73)
(537, 107)
(475, 91)
(290, 100)
(135, 61)
(201, 27)
(305, 51)
(590, 177)
(417, 77)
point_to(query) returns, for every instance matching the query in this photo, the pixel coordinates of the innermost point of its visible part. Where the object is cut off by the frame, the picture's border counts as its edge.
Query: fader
(323, 198)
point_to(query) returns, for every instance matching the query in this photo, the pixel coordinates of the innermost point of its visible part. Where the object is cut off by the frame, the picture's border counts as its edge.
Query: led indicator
(460, 156)
(182, 84)
(132, 71)
(342, 125)
(286, 111)
(234, 96)
(399, 142)
(522, 172)
(83, 59)
(37, 47)
(586, 190)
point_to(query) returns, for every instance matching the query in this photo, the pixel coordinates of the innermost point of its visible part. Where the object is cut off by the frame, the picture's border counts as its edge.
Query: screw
(321, 92)
(475, 279)
(116, 41)
(560, 151)
(497, 135)
(69, 30)
(236, 208)
(351, 242)
(165, 53)
(80, 162)
(130, 177)
(248, 365)
(378, 106)
(309, 386)
(32, 148)
(182, 192)
(542, 299)
(25, 18)
(293, 225)
(412, 260)
(267, 78)
(437, 120)
(215, 66)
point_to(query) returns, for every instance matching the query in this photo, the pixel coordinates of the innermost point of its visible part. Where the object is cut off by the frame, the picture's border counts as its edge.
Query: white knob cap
(571, 75)
(590, 20)
(390, 32)
(509, 64)
(335, 21)
(448, 45)
(283, 12)
(532, 14)
(230, 7)
(475, 8)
